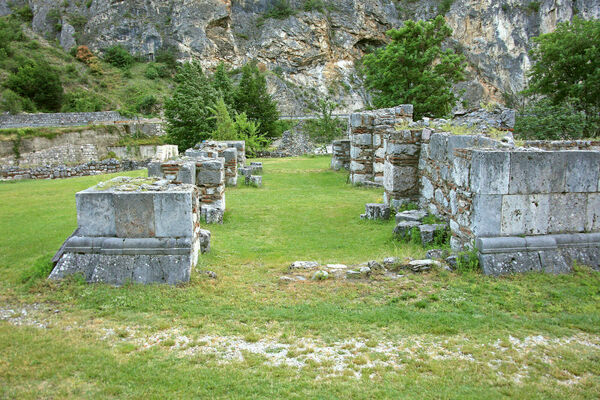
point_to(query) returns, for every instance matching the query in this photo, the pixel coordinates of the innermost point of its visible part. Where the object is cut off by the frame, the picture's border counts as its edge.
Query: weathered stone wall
(67, 171)
(340, 154)
(401, 178)
(563, 144)
(145, 152)
(59, 119)
(368, 131)
(444, 181)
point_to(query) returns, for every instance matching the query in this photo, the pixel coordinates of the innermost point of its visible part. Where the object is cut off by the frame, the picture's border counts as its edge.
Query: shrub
(248, 131)
(168, 57)
(281, 9)
(314, 5)
(146, 104)
(24, 13)
(151, 72)
(83, 101)
(83, 54)
(14, 104)
(38, 81)
(543, 120)
(326, 128)
(10, 31)
(224, 127)
(118, 56)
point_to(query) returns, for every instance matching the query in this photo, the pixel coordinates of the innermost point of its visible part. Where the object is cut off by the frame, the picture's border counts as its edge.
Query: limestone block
(525, 214)
(430, 231)
(173, 214)
(376, 211)
(211, 214)
(254, 180)
(356, 120)
(380, 153)
(378, 167)
(230, 154)
(592, 222)
(567, 212)
(487, 212)
(402, 149)
(404, 228)
(356, 166)
(426, 188)
(154, 168)
(210, 172)
(411, 215)
(438, 146)
(509, 263)
(134, 215)
(400, 179)
(257, 168)
(377, 141)
(204, 236)
(490, 172)
(365, 139)
(459, 142)
(95, 213)
(537, 172)
(582, 171)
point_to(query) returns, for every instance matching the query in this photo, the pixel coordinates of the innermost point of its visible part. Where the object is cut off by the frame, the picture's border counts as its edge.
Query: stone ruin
(531, 208)
(143, 230)
(147, 230)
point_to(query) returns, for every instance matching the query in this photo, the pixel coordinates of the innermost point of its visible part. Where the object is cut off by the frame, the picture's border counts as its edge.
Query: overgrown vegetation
(564, 84)
(413, 69)
(326, 128)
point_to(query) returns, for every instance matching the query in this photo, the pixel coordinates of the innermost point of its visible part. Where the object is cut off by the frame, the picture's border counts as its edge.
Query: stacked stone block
(341, 155)
(401, 177)
(144, 230)
(368, 133)
(210, 179)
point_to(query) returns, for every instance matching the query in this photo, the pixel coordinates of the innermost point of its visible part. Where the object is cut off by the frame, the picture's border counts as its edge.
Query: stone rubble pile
(390, 268)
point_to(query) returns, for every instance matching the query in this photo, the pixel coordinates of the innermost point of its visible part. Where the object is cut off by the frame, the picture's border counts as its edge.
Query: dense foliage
(118, 56)
(188, 112)
(544, 120)
(566, 71)
(251, 97)
(413, 69)
(39, 82)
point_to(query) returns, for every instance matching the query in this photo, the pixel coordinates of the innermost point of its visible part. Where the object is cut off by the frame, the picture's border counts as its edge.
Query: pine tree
(222, 84)
(252, 98)
(413, 69)
(188, 112)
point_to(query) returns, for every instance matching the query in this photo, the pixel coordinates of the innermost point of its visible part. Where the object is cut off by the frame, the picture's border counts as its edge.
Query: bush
(281, 9)
(14, 104)
(10, 31)
(118, 56)
(146, 104)
(248, 131)
(314, 5)
(326, 128)
(83, 54)
(151, 72)
(38, 81)
(168, 57)
(83, 101)
(543, 120)
(24, 13)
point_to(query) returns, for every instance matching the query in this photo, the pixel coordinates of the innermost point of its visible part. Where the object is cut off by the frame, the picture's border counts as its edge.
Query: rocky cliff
(313, 51)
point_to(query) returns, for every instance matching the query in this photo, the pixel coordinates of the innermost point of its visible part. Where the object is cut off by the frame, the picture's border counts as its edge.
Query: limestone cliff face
(312, 53)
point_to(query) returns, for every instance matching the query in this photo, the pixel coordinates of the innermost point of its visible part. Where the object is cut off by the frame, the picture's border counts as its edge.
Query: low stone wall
(563, 144)
(59, 119)
(368, 131)
(145, 152)
(67, 171)
(340, 154)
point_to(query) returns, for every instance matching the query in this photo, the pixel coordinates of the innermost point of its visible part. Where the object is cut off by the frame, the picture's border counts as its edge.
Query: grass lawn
(247, 334)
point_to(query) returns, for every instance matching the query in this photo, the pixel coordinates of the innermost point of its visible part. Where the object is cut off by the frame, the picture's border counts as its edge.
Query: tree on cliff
(567, 67)
(413, 69)
(188, 112)
(251, 97)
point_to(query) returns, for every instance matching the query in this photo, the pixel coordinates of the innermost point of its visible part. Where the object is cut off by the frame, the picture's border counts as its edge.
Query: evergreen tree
(188, 112)
(251, 97)
(224, 127)
(413, 69)
(222, 83)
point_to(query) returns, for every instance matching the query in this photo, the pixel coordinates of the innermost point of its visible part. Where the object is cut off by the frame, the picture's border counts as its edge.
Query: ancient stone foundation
(144, 230)
(525, 209)
(233, 152)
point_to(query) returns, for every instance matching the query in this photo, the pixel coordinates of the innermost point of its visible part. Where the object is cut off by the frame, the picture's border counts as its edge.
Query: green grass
(436, 321)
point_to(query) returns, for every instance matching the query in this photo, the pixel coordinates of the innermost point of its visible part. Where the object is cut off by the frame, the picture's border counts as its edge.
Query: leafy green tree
(413, 69)
(38, 81)
(567, 65)
(544, 120)
(222, 83)
(118, 56)
(188, 112)
(248, 131)
(251, 97)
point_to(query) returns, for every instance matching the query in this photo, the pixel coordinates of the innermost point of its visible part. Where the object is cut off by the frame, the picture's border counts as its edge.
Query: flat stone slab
(411, 215)
(303, 265)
